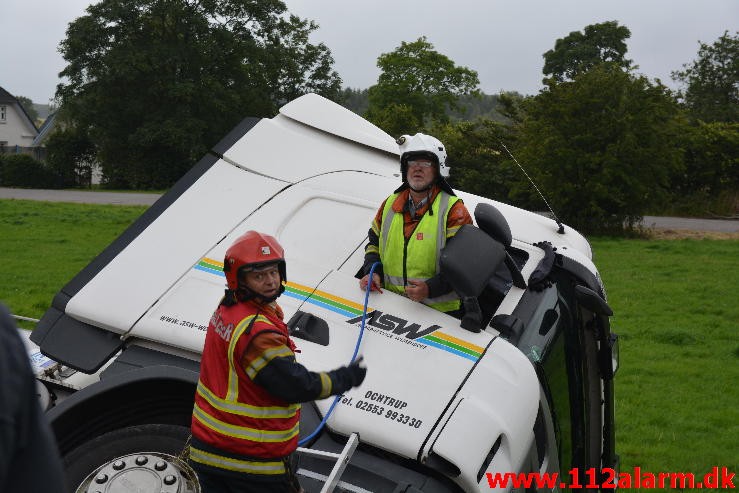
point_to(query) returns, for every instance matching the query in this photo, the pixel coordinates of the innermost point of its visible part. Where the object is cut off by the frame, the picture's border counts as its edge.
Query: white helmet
(422, 145)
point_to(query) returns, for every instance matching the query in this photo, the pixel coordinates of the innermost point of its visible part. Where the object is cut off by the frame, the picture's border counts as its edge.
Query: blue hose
(354, 356)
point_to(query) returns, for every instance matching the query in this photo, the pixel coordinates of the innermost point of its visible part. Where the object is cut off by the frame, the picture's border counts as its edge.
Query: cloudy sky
(503, 40)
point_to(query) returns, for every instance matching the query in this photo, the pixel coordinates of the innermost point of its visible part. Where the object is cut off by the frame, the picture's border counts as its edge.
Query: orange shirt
(458, 214)
(267, 340)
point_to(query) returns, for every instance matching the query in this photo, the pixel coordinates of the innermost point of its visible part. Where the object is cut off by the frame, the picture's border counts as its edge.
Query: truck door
(562, 341)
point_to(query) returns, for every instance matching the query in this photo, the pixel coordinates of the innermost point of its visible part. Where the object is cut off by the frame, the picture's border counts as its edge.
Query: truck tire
(163, 438)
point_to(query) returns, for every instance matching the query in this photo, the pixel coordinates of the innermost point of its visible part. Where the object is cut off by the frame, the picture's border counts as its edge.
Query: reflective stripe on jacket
(271, 467)
(231, 412)
(416, 258)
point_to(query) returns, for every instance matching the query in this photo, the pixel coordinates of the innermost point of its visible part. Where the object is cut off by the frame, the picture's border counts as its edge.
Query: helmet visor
(420, 162)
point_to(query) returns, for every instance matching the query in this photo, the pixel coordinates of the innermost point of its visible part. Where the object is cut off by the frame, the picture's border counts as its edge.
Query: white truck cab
(523, 383)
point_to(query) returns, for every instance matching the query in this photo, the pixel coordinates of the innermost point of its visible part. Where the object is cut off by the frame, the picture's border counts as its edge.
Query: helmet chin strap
(426, 189)
(246, 294)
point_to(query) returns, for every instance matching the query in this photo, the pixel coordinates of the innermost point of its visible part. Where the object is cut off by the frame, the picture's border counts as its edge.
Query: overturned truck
(523, 383)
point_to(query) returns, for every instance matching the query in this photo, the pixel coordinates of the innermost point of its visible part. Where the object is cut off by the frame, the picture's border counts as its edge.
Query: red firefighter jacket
(232, 413)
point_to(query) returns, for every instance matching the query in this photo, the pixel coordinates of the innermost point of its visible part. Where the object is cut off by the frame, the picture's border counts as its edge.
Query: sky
(503, 40)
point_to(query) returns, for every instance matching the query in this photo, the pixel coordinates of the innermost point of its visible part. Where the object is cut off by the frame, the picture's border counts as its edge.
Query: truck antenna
(561, 228)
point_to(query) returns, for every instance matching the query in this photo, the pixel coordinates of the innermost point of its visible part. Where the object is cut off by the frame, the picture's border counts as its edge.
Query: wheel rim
(146, 472)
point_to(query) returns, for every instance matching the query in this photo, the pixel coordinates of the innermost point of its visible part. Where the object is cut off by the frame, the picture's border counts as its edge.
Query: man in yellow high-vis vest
(412, 226)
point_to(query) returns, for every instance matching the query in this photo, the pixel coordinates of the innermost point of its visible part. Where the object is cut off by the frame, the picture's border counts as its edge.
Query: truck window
(544, 344)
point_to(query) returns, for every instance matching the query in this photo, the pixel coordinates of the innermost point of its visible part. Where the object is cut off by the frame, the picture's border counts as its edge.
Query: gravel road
(79, 196)
(88, 197)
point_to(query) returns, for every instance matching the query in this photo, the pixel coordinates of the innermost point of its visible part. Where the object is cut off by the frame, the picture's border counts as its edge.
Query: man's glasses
(419, 164)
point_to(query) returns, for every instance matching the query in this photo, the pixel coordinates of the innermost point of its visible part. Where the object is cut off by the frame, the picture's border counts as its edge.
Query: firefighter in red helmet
(247, 405)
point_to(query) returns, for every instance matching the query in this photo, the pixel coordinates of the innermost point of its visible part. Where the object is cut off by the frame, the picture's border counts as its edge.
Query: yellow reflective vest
(417, 258)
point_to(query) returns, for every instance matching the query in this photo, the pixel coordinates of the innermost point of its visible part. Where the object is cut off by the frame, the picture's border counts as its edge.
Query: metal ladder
(342, 460)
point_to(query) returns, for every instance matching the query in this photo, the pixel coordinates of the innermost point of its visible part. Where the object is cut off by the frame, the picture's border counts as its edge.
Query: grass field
(676, 305)
(43, 245)
(676, 310)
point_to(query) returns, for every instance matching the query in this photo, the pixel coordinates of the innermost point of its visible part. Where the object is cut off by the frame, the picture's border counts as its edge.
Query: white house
(16, 127)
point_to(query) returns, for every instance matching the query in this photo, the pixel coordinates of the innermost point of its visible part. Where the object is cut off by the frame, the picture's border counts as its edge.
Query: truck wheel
(144, 455)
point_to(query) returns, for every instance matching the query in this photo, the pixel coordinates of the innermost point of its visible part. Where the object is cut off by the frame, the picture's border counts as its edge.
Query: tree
(477, 160)
(423, 81)
(475, 106)
(579, 52)
(712, 92)
(354, 100)
(71, 155)
(155, 83)
(710, 180)
(28, 106)
(602, 148)
(396, 119)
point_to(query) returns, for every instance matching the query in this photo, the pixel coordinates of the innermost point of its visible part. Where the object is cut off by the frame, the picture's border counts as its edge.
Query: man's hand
(376, 283)
(358, 371)
(417, 290)
(346, 377)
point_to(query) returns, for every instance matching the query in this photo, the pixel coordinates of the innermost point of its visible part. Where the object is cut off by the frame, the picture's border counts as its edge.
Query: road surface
(118, 198)
(79, 196)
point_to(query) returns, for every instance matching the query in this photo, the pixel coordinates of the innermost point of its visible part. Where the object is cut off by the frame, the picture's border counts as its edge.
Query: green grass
(676, 312)
(43, 245)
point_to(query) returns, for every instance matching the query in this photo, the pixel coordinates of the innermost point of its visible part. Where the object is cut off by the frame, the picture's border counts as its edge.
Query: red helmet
(251, 251)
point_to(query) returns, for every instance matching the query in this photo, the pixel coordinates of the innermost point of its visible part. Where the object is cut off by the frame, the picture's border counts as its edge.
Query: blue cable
(356, 350)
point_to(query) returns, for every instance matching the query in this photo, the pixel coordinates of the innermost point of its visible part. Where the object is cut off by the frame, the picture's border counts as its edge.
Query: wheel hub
(149, 472)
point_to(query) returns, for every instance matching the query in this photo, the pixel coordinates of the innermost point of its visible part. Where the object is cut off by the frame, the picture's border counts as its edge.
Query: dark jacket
(29, 458)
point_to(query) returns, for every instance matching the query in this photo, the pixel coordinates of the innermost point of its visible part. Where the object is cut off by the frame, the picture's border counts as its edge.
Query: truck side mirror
(490, 220)
(608, 354)
(494, 223)
(467, 262)
(592, 301)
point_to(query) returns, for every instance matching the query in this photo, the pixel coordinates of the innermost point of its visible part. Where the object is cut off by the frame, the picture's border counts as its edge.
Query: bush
(21, 170)
(70, 155)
